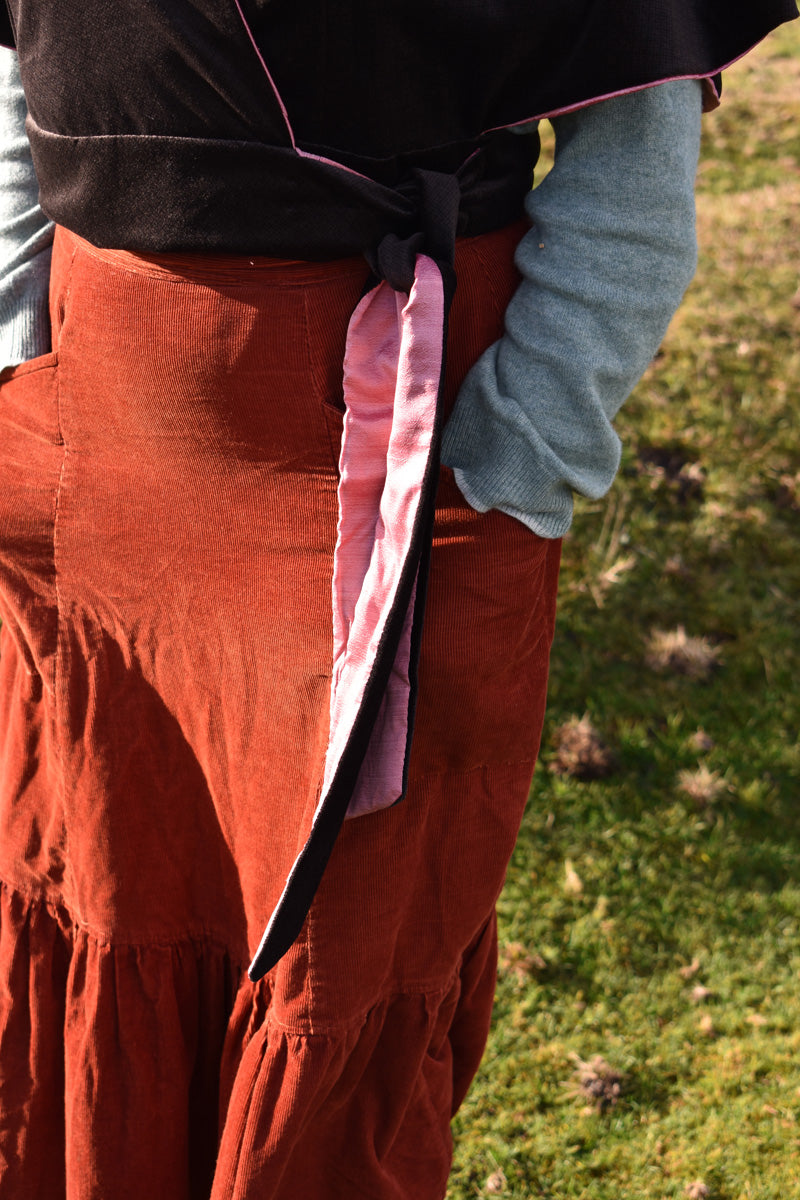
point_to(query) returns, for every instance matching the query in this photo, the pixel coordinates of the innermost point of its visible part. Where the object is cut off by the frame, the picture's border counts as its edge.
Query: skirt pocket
(42, 362)
(333, 411)
(31, 457)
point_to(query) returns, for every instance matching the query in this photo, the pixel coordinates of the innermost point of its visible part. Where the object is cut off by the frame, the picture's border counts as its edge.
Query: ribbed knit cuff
(24, 312)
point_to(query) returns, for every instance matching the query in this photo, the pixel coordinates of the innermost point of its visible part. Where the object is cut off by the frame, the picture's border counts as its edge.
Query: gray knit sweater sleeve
(25, 233)
(610, 254)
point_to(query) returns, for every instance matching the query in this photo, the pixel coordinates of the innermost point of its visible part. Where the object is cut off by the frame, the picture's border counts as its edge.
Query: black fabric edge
(289, 915)
(714, 74)
(449, 287)
(7, 37)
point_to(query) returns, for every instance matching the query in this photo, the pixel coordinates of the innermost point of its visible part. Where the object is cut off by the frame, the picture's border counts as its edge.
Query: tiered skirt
(168, 512)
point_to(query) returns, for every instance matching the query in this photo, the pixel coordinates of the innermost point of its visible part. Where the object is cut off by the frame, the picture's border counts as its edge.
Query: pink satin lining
(392, 365)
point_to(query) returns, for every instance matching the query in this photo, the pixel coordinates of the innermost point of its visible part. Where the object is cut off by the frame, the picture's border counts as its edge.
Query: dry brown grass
(596, 1081)
(674, 651)
(581, 752)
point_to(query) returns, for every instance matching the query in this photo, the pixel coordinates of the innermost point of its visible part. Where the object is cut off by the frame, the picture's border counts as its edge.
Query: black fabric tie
(396, 263)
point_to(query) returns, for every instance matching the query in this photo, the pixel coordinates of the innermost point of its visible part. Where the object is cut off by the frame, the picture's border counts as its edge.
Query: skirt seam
(65, 918)
(312, 1029)
(58, 665)
(449, 773)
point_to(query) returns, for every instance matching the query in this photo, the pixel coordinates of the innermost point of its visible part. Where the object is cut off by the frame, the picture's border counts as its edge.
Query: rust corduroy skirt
(167, 525)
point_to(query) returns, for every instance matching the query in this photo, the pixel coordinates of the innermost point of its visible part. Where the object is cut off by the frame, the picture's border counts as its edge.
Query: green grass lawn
(652, 914)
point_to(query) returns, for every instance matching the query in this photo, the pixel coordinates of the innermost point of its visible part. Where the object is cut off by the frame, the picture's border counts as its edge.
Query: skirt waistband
(236, 269)
(225, 269)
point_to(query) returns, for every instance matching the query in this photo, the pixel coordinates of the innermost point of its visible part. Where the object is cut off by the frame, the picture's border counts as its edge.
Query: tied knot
(436, 198)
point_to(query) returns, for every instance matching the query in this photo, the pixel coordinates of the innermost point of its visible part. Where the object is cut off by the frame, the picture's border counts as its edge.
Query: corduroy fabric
(167, 524)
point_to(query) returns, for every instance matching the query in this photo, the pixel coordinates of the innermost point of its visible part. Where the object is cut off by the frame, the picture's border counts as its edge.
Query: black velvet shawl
(155, 126)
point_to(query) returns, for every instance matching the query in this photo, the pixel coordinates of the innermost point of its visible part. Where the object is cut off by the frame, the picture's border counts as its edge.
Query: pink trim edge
(560, 112)
(331, 162)
(569, 108)
(277, 94)
(392, 366)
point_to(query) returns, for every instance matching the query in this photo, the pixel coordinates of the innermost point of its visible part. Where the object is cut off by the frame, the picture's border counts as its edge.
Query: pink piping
(560, 112)
(568, 108)
(277, 94)
(331, 162)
